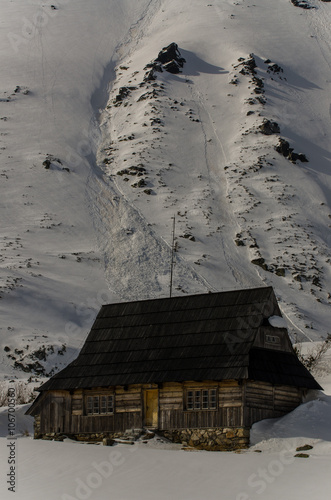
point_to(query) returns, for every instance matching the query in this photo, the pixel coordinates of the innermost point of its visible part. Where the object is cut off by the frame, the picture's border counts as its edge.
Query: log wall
(238, 405)
(173, 415)
(263, 400)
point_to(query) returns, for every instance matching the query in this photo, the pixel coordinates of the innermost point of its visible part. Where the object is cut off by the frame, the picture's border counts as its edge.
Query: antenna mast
(172, 253)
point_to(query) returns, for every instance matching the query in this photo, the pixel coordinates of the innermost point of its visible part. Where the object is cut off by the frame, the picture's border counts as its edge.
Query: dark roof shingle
(197, 337)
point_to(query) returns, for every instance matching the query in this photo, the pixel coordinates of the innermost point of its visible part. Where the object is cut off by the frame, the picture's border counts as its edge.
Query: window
(100, 405)
(205, 399)
(272, 339)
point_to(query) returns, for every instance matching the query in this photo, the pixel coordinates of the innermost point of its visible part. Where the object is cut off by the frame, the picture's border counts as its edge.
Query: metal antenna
(172, 253)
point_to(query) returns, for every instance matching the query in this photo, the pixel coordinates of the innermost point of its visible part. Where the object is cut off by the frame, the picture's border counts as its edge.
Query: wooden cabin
(199, 369)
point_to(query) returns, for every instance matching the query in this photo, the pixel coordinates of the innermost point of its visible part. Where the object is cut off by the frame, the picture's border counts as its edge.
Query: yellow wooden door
(151, 408)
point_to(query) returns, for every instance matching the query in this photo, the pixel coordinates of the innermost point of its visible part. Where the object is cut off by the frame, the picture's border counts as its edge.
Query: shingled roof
(197, 337)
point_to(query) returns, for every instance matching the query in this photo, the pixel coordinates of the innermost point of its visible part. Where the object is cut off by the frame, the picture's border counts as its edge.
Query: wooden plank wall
(262, 400)
(129, 400)
(64, 413)
(172, 414)
(238, 405)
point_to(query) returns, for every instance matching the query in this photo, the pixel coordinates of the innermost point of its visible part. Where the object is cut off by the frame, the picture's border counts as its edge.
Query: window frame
(201, 399)
(272, 339)
(99, 404)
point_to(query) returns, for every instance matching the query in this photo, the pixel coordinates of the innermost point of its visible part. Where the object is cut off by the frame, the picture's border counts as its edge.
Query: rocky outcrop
(169, 59)
(268, 127)
(122, 94)
(248, 65)
(283, 148)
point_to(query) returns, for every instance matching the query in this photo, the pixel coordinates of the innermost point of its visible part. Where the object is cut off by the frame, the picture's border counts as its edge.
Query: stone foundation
(128, 435)
(221, 439)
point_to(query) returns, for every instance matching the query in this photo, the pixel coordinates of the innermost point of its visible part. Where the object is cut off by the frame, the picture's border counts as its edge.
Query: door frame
(155, 421)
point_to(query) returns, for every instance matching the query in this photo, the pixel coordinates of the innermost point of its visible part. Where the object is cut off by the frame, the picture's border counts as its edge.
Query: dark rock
(258, 82)
(249, 66)
(260, 262)
(302, 455)
(306, 447)
(268, 127)
(138, 168)
(283, 148)
(168, 59)
(303, 4)
(149, 76)
(123, 93)
(156, 121)
(169, 54)
(172, 67)
(148, 95)
(140, 183)
(261, 100)
(316, 281)
(303, 158)
(47, 163)
(155, 66)
(188, 236)
(134, 170)
(125, 171)
(275, 68)
(293, 157)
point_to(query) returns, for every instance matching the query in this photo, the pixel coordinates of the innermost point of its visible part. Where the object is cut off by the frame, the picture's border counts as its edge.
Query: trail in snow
(216, 160)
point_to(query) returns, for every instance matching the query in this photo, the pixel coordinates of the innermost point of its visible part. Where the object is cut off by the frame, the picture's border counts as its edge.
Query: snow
(277, 322)
(76, 235)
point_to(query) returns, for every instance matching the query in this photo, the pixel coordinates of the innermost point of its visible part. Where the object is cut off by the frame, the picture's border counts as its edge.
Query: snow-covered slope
(90, 181)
